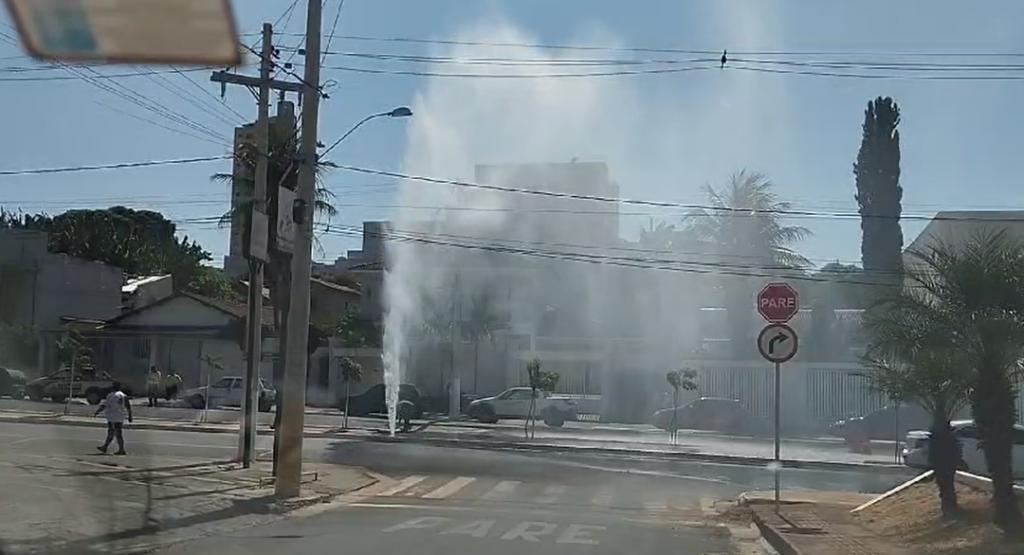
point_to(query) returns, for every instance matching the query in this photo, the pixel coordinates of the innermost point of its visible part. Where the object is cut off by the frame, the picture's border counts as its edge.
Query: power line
(334, 27)
(97, 76)
(158, 124)
(218, 101)
(742, 212)
(614, 73)
(118, 166)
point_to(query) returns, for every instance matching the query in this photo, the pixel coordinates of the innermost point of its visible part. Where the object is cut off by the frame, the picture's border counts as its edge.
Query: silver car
(915, 454)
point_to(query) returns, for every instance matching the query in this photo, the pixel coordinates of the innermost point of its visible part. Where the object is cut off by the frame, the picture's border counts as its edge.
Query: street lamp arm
(400, 112)
(350, 131)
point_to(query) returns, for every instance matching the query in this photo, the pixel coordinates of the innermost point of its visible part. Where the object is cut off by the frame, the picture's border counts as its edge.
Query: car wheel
(485, 413)
(58, 398)
(94, 396)
(197, 402)
(265, 405)
(35, 395)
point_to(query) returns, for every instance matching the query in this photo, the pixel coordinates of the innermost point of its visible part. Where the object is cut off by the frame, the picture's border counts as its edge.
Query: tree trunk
(673, 432)
(994, 413)
(348, 394)
(944, 458)
(476, 364)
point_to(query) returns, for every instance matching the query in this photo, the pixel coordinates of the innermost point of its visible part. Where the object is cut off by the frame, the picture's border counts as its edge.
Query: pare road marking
(527, 531)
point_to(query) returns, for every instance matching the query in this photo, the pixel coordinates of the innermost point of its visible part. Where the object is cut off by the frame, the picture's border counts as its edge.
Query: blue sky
(664, 136)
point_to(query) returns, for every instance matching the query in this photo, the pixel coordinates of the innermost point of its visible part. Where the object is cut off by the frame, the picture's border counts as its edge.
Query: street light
(400, 112)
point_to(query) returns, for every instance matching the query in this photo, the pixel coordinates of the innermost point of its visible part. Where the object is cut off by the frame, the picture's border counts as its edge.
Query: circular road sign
(777, 342)
(778, 302)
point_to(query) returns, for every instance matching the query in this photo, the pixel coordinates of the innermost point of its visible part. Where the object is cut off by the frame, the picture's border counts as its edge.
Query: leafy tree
(679, 380)
(480, 323)
(539, 381)
(18, 346)
(879, 193)
(351, 371)
(743, 234)
(140, 242)
(211, 282)
(441, 322)
(910, 357)
(977, 289)
(354, 330)
(74, 351)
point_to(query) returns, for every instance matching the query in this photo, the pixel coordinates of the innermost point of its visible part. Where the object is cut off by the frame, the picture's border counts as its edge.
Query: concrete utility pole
(289, 475)
(256, 247)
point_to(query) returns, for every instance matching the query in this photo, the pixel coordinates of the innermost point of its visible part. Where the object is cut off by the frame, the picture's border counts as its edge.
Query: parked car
(515, 403)
(12, 383)
(372, 401)
(92, 384)
(712, 413)
(881, 423)
(915, 454)
(227, 392)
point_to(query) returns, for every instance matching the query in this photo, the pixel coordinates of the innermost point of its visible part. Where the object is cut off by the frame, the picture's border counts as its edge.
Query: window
(223, 382)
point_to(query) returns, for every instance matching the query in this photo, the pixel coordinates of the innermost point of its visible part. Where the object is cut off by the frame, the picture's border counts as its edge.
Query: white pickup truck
(515, 403)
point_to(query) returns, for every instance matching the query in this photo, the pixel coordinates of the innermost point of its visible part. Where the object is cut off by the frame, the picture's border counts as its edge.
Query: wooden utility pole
(258, 236)
(289, 474)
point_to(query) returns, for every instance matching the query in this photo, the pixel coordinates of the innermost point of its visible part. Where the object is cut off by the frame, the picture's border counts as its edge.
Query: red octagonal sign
(778, 302)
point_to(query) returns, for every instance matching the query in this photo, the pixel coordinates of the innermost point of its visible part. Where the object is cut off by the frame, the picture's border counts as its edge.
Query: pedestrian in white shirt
(116, 407)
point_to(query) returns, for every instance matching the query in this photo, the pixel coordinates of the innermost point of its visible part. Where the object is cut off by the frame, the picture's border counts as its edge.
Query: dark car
(12, 383)
(711, 413)
(372, 401)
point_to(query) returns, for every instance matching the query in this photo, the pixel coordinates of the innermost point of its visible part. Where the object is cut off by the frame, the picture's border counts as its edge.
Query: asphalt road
(445, 499)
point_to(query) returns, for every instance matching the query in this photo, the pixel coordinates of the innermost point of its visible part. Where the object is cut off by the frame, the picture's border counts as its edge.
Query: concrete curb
(706, 457)
(774, 537)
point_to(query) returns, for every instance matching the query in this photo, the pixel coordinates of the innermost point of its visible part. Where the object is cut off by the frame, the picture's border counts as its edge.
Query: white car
(915, 454)
(515, 403)
(227, 392)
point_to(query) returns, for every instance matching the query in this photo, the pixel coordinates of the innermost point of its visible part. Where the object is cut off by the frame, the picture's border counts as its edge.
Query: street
(429, 496)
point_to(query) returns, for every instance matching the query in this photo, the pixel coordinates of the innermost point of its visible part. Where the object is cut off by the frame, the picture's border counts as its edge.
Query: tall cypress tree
(879, 193)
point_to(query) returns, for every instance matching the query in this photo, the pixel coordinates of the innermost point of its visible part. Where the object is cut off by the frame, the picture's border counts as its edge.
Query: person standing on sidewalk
(116, 407)
(154, 385)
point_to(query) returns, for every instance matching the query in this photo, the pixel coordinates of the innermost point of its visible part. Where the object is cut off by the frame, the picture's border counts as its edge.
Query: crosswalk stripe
(552, 493)
(403, 485)
(654, 506)
(450, 488)
(603, 498)
(502, 489)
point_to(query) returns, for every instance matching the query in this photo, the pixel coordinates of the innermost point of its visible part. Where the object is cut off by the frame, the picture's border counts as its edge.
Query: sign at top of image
(778, 302)
(129, 31)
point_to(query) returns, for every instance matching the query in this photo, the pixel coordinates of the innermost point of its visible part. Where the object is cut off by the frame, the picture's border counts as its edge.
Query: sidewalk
(87, 504)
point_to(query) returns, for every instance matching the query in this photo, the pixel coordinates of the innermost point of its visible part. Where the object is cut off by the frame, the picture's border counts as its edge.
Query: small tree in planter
(679, 380)
(351, 371)
(539, 381)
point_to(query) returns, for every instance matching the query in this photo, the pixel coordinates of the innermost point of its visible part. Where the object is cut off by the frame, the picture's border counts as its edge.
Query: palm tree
(982, 285)
(282, 171)
(481, 322)
(351, 371)
(910, 358)
(539, 381)
(745, 241)
(441, 322)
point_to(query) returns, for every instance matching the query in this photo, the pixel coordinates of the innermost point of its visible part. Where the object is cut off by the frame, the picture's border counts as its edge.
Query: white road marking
(417, 523)
(552, 493)
(450, 488)
(529, 531)
(603, 497)
(502, 490)
(655, 506)
(476, 529)
(402, 486)
(579, 533)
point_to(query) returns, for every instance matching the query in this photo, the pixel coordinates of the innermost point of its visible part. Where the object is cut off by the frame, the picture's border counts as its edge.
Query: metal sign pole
(778, 404)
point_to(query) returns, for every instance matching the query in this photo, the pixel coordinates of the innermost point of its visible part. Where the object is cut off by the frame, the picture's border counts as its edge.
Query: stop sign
(778, 302)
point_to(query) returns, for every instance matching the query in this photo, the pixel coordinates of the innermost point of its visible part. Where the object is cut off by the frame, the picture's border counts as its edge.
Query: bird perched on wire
(725, 58)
